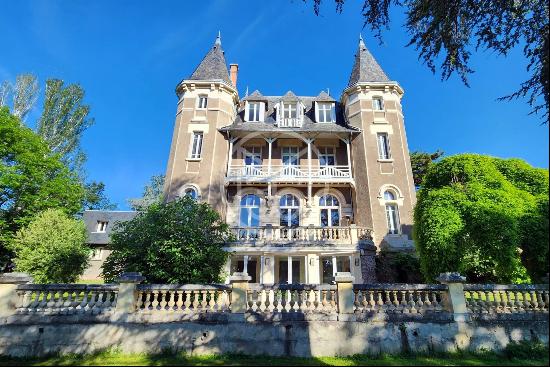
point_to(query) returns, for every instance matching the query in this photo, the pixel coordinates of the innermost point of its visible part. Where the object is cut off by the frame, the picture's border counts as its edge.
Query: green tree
(52, 248)
(153, 192)
(31, 180)
(484, 217)
(24, 94)
(176, 242)
(420, 161)
(448, 31)
(95, 197)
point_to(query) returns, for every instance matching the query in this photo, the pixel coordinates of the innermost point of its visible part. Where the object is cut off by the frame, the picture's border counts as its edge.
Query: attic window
(326, 112)
(289, 110)
(253, 111)
(101, 226)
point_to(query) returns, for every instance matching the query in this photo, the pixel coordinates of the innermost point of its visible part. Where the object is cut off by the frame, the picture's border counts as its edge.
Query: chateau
(310, 185)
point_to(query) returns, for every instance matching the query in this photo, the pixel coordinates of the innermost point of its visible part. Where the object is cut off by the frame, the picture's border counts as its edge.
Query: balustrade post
(126, 298)
(453, 299)
(346, 297)
(9, 299)
(239, 284)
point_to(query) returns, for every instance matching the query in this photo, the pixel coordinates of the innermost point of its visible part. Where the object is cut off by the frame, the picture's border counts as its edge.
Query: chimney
(233, 70)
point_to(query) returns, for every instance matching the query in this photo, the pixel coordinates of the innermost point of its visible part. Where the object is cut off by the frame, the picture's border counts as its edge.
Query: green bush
(176, 242)
(52, 248)
(525, 349)
(484, 217)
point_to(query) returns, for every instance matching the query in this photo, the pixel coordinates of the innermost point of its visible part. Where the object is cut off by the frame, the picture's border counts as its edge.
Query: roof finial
(360, 37)
(361, 43)
(246, 93)
(328, 91)
(219, 39)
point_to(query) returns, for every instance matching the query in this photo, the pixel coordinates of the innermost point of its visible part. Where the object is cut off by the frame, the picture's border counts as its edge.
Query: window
(289, 110)
(202, 101)
(330, 211)
(378, 104)
(253, 113)
(327, 156)
(289, 210)
(392, 212)
(101, 226)
(353, 98)
(383, 146)
(97, 254)
(196, 146)
(192, 193)
(332, 265)
(290, 160)
(249, 216)
(326, 112)
(253, 156)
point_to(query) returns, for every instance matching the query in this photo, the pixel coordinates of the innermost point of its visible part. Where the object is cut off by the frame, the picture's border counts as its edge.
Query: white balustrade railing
(286, 172)
(398, 298)
(514, 298)
(183, 298)
(289, 122)
(341, 235)
(292, 298)
(66, 298)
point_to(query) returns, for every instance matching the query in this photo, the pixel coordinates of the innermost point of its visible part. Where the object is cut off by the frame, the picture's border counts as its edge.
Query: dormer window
(378, 104)
(326, 112)
(289, 110)
(254, 111)
(101, 226)
(202, 102)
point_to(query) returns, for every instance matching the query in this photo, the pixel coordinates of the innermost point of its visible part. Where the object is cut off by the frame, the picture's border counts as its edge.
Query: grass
(114, 358)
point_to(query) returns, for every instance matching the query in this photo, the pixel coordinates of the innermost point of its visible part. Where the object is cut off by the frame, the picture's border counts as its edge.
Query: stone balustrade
(514, 298)
(66, 299)
(292, 298)
(183, 298)
(398, 298)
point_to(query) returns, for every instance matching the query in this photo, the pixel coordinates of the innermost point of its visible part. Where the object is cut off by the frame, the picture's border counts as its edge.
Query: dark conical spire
(366, 69)
(213, 65)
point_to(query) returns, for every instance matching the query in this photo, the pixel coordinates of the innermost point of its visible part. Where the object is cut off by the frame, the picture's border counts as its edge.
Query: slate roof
(255, 96)
(365, 68)
(324, 97)
(309, 124)
(91, 217)
(213, 65)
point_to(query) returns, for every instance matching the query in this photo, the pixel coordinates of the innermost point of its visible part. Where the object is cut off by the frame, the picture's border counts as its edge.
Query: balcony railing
(290, 122)
(348, 235)
(288, 173)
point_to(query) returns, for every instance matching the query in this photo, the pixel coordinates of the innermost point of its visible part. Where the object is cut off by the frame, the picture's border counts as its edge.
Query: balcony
(290, 122)
(301, 236)
(289, 173)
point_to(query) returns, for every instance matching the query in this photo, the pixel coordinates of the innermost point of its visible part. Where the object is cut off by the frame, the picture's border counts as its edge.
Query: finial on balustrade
(451, 277)
(130, 277)
(15, 278)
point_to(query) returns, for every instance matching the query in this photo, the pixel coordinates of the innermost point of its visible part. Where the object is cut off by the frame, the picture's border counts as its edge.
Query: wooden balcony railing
(288, 173)
(290, 122)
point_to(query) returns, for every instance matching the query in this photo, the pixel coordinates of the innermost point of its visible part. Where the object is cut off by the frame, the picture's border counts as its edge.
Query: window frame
(328, 114)
(101, 226)
(384, 149)
(391, 209)
(256, 111)
(202, 99)
(381, 104)
(323, 152)
(329, 209)
(195, 151)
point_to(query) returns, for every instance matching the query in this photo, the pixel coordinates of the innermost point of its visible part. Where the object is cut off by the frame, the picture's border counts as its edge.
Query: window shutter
(246, 112)
(278, 113)
(316, 112)
(300, 111)
(262, 111)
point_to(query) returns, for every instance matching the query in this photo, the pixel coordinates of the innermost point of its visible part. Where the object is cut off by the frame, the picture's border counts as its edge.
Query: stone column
(8, 296)
(367, 253)
(239, 284)
(126, 298)
(346, 298)
(453, 299)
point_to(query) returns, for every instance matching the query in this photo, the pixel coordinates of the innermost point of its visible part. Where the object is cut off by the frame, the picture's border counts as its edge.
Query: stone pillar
(312, 262)
(346, 298)
(239, 284)
(453, 299)
(8, 295)
(126, 298)
(367, 252)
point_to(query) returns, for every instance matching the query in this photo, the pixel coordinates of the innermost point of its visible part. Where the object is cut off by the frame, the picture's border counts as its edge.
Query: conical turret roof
(366, 69)
(213, 65)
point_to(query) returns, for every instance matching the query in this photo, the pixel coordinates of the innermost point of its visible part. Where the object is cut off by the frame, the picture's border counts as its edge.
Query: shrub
(176, 242)
(525, 349)
(52, 248)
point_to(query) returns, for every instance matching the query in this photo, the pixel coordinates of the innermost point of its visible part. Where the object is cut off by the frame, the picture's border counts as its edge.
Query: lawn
(119, 359)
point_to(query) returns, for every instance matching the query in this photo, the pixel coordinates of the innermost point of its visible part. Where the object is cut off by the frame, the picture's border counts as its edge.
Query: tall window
(249, 216)
(196, 147)
(330, 211)
(392, 212)
(101, 226)
(289, 110)
(290, 160)
(327, 156)
(378, 104)
(202, 101)
(253, 111)
(383, 146)
(326, 112)
(290, 211)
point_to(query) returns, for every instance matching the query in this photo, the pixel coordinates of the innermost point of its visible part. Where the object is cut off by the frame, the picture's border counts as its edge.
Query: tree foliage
(31, 180)
(95, 197)
(484, 217)
(153, 192)
(23, 93)
(447, 31)
(175, 242)
(52, 248)
(420, 161)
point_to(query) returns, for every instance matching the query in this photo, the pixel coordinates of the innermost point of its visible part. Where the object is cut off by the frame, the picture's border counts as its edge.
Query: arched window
(392, 212)
(249, 216)
(290, 211)
(192, 193)
(330, 211)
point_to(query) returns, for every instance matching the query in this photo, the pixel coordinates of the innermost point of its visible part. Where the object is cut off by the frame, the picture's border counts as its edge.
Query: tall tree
(63, 121)
(420, 161)
(5, 92)
(152, 193)
(24, 94)
(449, 30)
(95, 197)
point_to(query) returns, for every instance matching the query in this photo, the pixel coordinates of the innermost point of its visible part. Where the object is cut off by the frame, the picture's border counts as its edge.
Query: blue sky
(129, 56)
